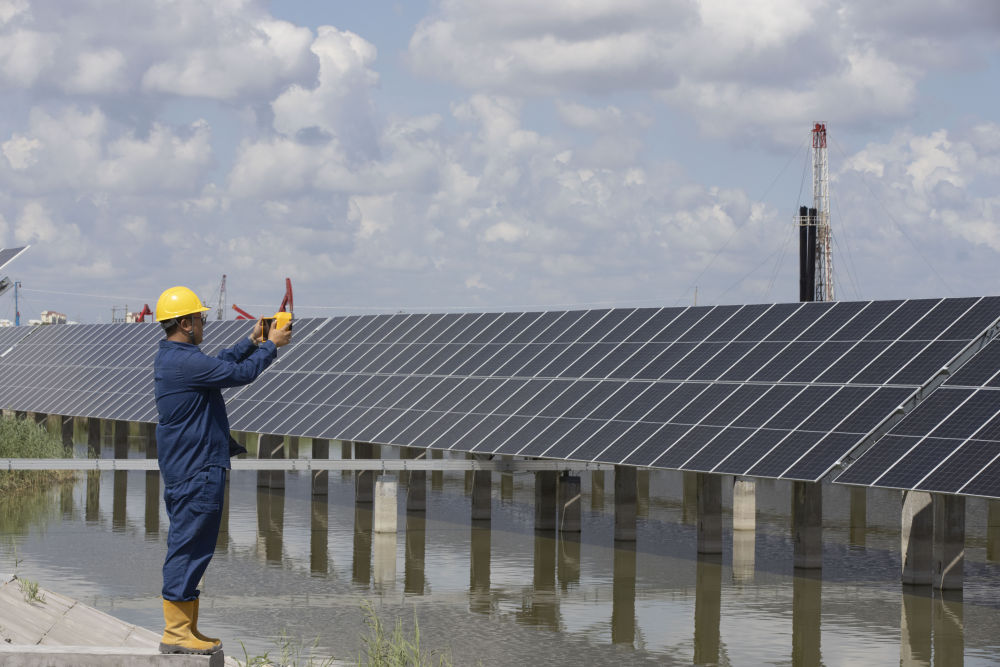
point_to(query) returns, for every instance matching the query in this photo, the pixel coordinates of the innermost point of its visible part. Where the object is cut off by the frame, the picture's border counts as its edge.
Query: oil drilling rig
(815, 237)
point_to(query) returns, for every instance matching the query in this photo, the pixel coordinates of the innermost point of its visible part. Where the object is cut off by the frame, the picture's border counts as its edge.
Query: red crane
(285, 302)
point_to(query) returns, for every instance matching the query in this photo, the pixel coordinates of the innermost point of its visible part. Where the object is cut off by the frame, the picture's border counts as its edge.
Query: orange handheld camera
(279, 320)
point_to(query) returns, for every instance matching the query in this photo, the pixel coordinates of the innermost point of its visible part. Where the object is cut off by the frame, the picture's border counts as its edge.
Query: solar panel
(950, 442)
(770, 390)
(718, 389)
(7, 255)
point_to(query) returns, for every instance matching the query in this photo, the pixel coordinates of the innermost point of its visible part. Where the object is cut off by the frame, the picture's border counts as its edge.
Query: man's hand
(281, 337)
(258, 332)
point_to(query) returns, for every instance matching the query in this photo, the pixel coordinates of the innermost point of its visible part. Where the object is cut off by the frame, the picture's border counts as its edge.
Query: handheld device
(279, 320)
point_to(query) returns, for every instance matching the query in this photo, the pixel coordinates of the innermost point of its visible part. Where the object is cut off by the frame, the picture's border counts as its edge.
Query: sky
(492, 155)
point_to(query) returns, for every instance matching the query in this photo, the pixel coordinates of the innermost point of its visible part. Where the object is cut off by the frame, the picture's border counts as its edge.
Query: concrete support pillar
(993, 530)
(506, 487)
(597, 490)
(93, 504)
(319, 531)
(642, 492)
(744, 555)
(386, 489)
(545, 499)
(364, 482)
(222, 541)
(480, 546)
(413, 563)
(119, 494)
(859, 516)
(625, 503)
(807, 524)
(416, 491)
(39, 417)
(689, 501)
(469, 476)
(915, 627)
(66, 424)
(437, 476)
(482, 502)
(949, 542)
(569, 504)
(121, 439)
(148, 434)
(709, 513)
(807, 602)
(320, 478)
(384, 560)
(744, 504)
(292, 446)
(346, 449)
(623, 594)
(707, 608)
(270, 447)
(917, 538)
(94, 436)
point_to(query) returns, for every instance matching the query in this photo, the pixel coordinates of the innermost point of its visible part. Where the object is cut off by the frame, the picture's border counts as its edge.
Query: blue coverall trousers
(195, 510)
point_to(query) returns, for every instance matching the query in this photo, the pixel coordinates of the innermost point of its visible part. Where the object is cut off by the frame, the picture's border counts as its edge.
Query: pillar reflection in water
(118, 521)
(807, 589)
(93, 508)
(66, 500)
(689, 501)
(949, 628)
(707, 608)
(506, 487)
(361, 567)
(623, 594)
(541, 607)
(413, 563)
(319, 525)
(993, 530)
(479, 567)
(270, 523)
(384, 561)
(597, 490)
(569, 559)
(915, 626)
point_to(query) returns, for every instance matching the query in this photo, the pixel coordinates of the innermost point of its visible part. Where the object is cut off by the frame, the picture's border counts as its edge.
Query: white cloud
(20, 151)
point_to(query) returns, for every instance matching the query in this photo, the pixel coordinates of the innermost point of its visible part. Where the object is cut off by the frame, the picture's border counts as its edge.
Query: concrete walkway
(58, 631)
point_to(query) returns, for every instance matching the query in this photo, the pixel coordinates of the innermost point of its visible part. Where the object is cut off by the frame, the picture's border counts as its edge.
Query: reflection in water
(915, 626)
(118, 523)
(361, 566)
(384, 559)
(93, 510)
(807, 587)
(479, 567)
(744, 555)
(689, 507)
(152, 522)
(66, 500)
(413, 564)
(569, 559)
(597, 490)
(623, 594)
(541, 605)
(949, 629)
(993, 530)
(319, 529)
(506, 486)
(270, 523)
(707, 609)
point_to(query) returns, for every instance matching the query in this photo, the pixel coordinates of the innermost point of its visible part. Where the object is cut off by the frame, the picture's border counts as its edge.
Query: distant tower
(821, 201)
(220, 312)
(815, 239)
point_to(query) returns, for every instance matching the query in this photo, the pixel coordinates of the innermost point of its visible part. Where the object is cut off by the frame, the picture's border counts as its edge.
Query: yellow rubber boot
(177, 636)
(195, 631)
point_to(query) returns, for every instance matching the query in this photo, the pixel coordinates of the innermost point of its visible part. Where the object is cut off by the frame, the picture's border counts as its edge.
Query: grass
(383, 648)
(30, 591)
(23, 438)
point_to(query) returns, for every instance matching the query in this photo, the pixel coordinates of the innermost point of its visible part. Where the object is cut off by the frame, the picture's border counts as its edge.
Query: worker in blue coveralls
(194, 447)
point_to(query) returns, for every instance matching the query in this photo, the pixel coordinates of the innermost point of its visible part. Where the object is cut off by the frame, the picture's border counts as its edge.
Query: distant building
(50, 317)
(6, 323)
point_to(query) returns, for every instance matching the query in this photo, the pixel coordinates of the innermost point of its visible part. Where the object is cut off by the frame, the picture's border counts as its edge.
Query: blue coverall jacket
(193, 441)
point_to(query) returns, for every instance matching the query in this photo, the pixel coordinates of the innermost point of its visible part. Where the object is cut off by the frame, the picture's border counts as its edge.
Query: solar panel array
(7, 255)
(950, 443)
(783, 390)
(770, 390)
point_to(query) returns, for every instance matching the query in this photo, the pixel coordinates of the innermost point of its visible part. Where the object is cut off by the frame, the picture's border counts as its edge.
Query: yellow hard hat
(177, 302)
